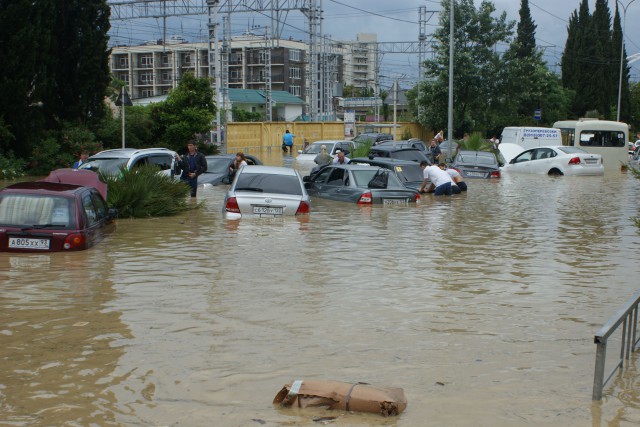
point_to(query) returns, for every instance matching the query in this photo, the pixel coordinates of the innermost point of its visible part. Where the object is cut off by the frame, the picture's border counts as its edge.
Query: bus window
(568, 136)
(602, 138)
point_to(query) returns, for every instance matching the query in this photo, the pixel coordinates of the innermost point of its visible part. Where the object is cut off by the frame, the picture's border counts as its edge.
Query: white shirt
(436, 175)
(336, 162)
(452, 172)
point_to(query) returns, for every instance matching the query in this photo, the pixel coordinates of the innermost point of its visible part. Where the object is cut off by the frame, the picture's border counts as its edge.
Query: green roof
(252, 96)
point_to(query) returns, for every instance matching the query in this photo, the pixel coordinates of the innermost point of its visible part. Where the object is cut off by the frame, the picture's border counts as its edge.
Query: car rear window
(363, 176)
(269, 183)
(571, 150)
(18, 210)
(409, 173)
(472, 159)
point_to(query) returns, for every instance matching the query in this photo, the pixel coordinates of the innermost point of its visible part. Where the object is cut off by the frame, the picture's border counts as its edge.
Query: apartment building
(360, 58)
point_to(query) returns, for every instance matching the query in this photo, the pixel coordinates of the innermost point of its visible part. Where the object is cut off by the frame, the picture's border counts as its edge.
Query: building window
(146, 93)
(146, 61)
(235, 75)
(262, 57)
(261, 74)
(146, 78)
(124, 77)
(165, 60)
(294, 55)
(294, 73)
(186, 59)
(124, 61)
(294, 90)
(166, 76)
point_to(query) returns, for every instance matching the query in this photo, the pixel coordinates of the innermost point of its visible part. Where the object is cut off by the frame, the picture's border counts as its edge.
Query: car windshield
(362, 177)
(571, 150)
(36, 211)
(473, 159)
(109, 166)
(317, 148)
(409, 173)
(269, 183)
(218, 165)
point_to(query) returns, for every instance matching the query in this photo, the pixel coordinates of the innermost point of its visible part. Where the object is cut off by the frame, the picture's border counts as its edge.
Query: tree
(527, 82)
(188, 111)
(625, 98)
(602, 76)
(476, 65)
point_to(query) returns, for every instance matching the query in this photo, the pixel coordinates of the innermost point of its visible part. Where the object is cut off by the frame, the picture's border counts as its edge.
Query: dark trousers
(193, 183)
(462, 185)
(443, 190)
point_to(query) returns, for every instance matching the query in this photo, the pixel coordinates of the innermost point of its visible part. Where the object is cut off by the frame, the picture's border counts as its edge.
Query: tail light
(303, 208)
(418, 198)
(574, 161)
(365, 199)
(232, 205)
(457, 170)
(75, 241)
(495, 174)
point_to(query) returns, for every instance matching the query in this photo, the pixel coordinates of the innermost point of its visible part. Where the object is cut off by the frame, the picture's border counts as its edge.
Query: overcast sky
(392, 22)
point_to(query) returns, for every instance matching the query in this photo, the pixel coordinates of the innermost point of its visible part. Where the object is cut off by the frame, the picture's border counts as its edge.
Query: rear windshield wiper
(258, 190)
(41, 226)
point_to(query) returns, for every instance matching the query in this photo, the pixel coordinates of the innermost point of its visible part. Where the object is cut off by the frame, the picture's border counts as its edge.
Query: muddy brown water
(481, 306)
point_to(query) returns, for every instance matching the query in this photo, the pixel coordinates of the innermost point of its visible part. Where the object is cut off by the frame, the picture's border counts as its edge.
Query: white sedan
(556, 160)
(266, 191)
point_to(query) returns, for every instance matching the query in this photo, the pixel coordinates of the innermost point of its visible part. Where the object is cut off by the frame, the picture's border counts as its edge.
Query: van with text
(604, 137)
(531, 137)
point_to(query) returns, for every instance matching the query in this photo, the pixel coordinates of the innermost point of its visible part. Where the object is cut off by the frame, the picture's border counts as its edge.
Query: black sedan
(409, 173)
(218, 168)
(361, 184)
(476, 164)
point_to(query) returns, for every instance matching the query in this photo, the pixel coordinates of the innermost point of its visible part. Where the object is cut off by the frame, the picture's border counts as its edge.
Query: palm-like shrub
(362, 149)
(143, 192)
(476, 143)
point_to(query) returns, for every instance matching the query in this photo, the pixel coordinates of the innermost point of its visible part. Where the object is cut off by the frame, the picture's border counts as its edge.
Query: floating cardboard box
(358, 397)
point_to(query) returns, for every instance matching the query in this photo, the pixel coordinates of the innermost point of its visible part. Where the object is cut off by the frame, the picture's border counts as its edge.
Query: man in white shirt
(441, 182)
(341, 159)
(458, 183)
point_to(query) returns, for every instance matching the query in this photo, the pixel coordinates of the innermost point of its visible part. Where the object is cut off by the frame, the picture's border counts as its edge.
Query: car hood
(509, 150)
(84, 177)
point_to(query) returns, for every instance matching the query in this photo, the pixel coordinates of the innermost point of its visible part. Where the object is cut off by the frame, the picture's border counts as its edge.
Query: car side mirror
(307, 185)
(306, 178)
(112, 213)
(512, 161)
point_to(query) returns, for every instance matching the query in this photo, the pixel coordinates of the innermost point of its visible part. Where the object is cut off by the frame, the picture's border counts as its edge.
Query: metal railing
(627, 316)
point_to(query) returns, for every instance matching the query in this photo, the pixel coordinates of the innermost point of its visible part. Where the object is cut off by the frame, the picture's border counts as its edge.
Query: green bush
(362, 148)
(476, 143)
(143, 192)
(10, 167)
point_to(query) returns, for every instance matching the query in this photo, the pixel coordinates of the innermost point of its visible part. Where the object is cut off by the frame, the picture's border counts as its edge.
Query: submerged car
(409, 143)
(266, 191)
(476, 164)
(556, 160)
(361, 184)
(332, 146)
(52, 217)
(111, 161)
(409, 173)
(218, 168)
(406, 153)
(372, 138)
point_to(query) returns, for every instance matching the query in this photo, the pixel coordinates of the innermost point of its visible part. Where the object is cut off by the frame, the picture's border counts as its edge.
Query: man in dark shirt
(191, 165)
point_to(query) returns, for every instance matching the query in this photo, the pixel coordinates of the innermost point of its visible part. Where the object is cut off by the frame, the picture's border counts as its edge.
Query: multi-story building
(360, 58)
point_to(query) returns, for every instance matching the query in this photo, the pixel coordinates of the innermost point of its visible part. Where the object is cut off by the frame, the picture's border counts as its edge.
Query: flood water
(482, 307)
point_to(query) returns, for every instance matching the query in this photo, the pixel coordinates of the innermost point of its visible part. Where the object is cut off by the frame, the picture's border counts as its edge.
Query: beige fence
(256, 137)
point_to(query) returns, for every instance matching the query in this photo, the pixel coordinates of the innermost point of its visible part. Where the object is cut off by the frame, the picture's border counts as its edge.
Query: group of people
(441, 180)
(323, 158)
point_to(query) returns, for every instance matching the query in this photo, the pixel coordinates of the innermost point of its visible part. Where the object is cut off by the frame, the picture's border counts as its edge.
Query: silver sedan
(266, 191)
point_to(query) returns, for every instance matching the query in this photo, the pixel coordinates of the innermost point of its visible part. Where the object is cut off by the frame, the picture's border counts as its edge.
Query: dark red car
(52, 217)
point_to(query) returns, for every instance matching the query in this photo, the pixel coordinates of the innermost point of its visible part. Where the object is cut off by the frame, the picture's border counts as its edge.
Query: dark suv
(374, 138)
(411, 143)
(412, 154)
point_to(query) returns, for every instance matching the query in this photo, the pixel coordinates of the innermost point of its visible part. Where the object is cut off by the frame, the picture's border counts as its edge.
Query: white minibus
(604, 137)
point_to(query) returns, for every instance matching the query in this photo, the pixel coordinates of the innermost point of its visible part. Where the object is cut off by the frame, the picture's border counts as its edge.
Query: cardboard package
(359, 397)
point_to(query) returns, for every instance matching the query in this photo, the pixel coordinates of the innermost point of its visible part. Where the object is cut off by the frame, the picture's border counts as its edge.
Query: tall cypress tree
(600, 79)
(625, 98)
(568, 63)
(526, 32)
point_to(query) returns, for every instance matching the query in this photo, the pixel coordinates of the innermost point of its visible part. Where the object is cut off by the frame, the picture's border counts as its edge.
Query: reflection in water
(481, 306)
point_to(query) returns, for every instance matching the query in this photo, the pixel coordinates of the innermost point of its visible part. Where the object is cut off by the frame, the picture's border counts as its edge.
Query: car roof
(383, 160)
(390, 147)
(355, 167)
(329, 141)
(273, 170)
(125, 153)
(42, 187)
(479, 152)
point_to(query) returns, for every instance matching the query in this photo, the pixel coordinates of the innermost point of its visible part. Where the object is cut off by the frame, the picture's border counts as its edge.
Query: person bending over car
(441, 182)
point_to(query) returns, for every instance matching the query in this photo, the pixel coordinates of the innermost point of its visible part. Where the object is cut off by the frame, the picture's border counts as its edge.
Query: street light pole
(624, 23)
(450, 115)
